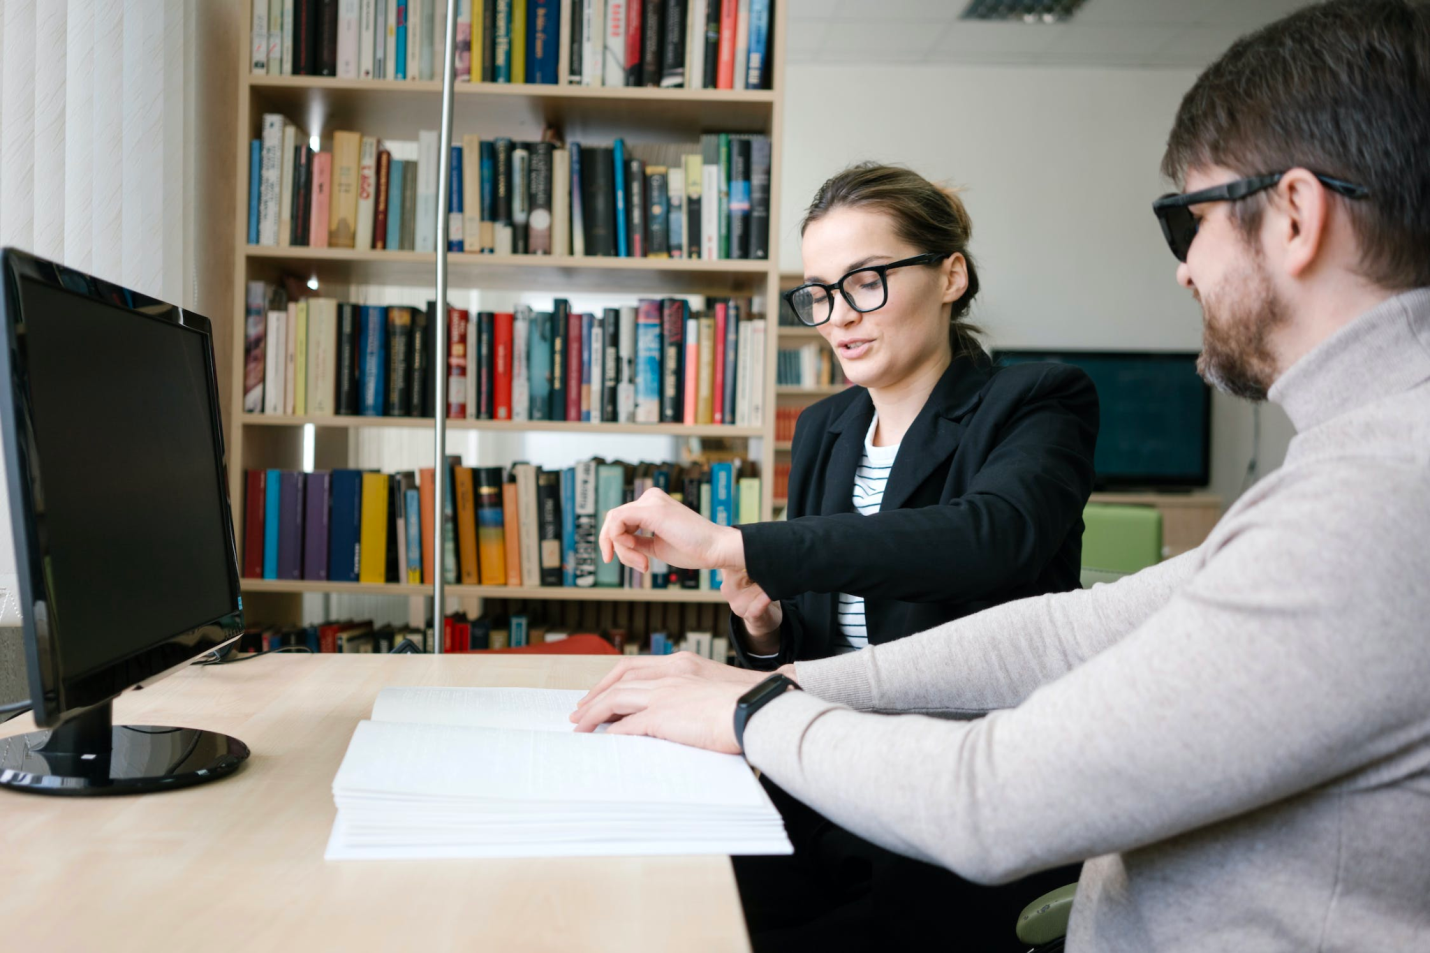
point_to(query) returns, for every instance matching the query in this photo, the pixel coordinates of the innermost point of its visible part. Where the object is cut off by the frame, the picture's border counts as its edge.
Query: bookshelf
(398, 109)
(787, 397)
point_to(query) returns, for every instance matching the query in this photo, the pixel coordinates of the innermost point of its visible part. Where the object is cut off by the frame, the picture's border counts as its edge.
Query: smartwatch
(757, 698)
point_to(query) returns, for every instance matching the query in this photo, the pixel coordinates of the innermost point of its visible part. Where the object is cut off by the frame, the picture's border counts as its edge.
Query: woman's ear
(955, 277)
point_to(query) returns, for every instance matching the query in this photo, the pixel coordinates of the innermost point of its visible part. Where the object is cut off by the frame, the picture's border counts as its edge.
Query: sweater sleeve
(997, 658)
(995, 537)
(1273, 670)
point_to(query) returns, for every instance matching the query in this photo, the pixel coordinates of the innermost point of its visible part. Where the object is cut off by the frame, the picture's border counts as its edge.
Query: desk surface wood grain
(238, 864)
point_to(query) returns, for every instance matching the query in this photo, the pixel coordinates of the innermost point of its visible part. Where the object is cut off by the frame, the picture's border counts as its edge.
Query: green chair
(1118, 541)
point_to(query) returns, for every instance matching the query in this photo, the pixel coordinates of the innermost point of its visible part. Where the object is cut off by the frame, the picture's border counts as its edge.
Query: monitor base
(89, 755)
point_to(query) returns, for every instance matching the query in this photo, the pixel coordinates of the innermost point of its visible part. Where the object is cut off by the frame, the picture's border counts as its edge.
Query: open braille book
(501, 772)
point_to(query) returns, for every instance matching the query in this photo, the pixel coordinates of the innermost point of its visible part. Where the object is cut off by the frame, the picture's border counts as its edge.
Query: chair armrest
(1046, 919)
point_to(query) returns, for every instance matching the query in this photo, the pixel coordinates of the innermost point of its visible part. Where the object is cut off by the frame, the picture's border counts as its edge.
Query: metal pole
(439, 406)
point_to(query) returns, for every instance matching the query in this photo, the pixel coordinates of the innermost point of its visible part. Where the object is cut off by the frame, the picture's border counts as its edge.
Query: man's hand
(685, 708)
(673, 532)
(643, 668)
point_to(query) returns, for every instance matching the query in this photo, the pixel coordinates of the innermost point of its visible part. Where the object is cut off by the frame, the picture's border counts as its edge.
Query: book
(609, 355)
(349, 336)
(427, 504)
(539, 366)
(298, 311)
(584, 507)
(674, 31)
(366, 190)
(271, 178)
(560, 317)
(345, 525)
(613, 58)
(399, 362)
(456, 363)
(372, 361)
(482, 370)
(473, 753)
(619, 213)
(760, 197)
(275, 338)
(511, 532)
(418, 534)
(520, 364)
(372, 545)
(290, 352)
(317, 492)
(342, 213)
(502, 343)
(272, 520)
(254, 525)
(610, 480)
(455, 198)
(595, 361)
(548, 519)
(673, 339)
(527, 525)
(255, 187)
(626, 356)
(425, 223)
(543, 40)
(652, 42)
(649, 375)
(561, 225)
(395, 172)
(539, 220)
(254, 357)
(491, 541)
(567, 510)
(285, 185)
(575, 364)
(468, 557)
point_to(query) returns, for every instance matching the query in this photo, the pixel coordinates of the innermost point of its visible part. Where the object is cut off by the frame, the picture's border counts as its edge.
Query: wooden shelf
(399, 108)
(784, 390)
(798, 334)
(780, 502)
(502, 426)
(595, 593)
(514, 272)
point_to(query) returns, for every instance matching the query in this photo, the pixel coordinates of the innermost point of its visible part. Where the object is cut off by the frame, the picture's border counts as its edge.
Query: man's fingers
(636, 724)
(621, 700)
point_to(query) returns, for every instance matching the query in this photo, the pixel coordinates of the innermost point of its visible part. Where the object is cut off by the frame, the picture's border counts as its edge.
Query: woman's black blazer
(983, 506)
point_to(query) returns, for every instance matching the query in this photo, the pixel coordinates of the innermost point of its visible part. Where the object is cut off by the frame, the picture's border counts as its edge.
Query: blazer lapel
(850, 427)
(935, 432)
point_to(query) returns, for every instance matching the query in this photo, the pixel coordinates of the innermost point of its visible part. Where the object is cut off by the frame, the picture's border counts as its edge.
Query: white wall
(1060, 168)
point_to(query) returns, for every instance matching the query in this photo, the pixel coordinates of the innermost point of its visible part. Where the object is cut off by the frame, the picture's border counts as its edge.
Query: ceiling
(1142, 34)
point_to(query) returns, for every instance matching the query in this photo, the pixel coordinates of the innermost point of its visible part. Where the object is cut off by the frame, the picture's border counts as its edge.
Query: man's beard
(1236, 353)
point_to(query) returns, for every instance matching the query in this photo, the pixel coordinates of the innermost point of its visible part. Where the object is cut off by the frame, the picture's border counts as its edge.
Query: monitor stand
(90, 755)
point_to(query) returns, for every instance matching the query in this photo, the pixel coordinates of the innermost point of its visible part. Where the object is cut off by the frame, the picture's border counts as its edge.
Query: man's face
(1227, 273)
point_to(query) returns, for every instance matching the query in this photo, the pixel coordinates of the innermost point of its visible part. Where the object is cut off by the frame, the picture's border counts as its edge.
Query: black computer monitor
(1155, 415)
(123, 536)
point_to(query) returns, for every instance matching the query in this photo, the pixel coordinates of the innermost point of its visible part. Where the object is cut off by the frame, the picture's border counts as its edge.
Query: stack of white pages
(500, 772)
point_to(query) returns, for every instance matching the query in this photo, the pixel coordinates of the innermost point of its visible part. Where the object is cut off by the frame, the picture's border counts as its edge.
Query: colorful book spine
(538, 363)
(491, 541)
(272, 509)
(610, 482)
(548, 525)
(315, 525)
(511, 534)
(466, 509)
(648, 362)
(575, 361)
(618, 166)
(372, 542)
(502, 334)
(455, 199)
(568, 526)
(255, 187)
(722, 501)
(254, 525)
(412, 502)
(586, 528)
(559, 318)
(345, 526)
(456, 363)
(372, 363)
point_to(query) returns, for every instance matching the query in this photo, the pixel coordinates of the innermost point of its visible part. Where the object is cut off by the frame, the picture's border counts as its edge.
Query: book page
(532, 709)
(480, 765)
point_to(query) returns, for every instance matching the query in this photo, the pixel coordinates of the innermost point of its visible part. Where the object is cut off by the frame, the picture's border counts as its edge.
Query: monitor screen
(1155, 415)
(125, 485)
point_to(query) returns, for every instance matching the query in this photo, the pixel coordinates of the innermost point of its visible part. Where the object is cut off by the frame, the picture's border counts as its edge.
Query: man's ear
(1304, 204)
(955, 277)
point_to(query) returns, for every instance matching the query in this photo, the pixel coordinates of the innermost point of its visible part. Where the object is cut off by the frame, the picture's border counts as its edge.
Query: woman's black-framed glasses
(864, 289)
(1179, 225)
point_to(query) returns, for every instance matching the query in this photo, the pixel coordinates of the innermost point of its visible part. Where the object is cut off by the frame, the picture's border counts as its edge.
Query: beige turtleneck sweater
(1237, 740)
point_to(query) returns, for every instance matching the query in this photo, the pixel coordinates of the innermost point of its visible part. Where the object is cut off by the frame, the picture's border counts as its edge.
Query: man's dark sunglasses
(1179, 226)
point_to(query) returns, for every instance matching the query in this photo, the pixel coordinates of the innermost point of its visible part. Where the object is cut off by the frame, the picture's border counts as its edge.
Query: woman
(937, 487)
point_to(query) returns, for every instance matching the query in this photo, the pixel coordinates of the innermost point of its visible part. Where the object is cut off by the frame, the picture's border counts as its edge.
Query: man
(1237, 740)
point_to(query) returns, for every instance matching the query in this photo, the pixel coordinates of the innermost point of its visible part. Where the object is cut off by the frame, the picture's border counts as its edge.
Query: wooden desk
(238, 864)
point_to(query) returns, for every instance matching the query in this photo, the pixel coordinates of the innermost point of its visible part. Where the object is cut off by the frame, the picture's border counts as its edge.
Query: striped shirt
(868, 492)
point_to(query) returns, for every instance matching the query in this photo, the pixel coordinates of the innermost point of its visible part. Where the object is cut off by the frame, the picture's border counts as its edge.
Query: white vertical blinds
(92, 137)
(95, 167)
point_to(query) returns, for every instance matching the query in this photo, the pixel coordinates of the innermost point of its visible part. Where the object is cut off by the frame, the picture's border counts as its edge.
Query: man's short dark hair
(1342, 89)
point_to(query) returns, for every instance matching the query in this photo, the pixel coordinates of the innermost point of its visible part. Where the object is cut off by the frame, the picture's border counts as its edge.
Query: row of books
(785, 420)
(779, 486)
(523, 526)
(709, 201)
(690, 44)
(344, 635)
(658, 361)
(810, 365)
(461, 633)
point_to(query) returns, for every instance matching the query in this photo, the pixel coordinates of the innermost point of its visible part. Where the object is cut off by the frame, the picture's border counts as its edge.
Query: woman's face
(879, 349)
